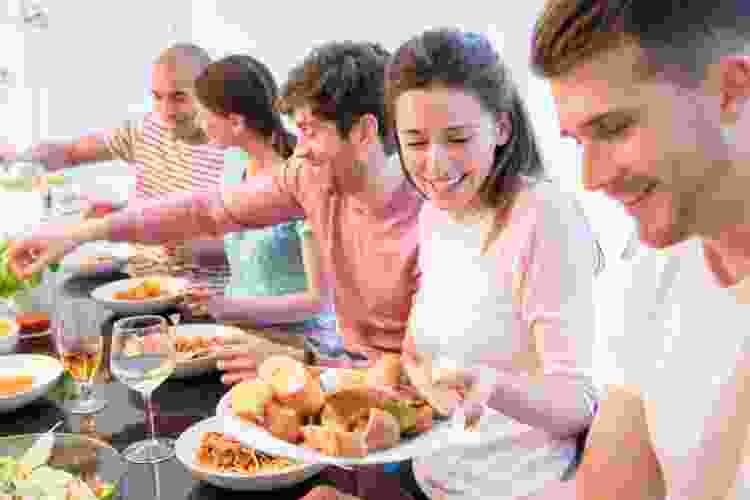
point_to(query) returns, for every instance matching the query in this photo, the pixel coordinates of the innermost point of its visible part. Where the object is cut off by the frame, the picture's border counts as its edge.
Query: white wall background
(93, 60)
(89, 70)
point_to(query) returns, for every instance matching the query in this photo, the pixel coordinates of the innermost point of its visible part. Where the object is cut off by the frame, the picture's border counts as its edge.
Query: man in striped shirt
(167, 148)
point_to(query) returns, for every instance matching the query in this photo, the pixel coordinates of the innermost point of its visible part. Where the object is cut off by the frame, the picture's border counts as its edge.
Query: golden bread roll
(283, 422)
(293, 385)
(385, 371)
(250, 398)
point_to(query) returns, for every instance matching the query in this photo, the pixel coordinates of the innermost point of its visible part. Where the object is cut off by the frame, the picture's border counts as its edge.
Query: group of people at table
(414, 201)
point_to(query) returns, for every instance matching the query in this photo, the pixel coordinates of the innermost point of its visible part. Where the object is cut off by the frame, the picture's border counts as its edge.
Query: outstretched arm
(177, 217)
(59, 156)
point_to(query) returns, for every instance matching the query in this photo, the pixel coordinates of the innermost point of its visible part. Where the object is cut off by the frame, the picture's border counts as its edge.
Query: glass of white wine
(80, 346)
(142, 357)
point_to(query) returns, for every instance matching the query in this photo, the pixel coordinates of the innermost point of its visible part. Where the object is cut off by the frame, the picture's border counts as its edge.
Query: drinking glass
(80, 346)
(142, 357)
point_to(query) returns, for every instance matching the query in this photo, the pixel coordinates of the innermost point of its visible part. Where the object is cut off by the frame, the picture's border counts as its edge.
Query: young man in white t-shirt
(658, 95)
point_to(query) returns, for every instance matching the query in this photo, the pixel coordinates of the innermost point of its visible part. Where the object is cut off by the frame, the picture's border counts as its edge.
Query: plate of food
(97, 257)
(147, 295)
(218, 458)
(319, 415)
(25, 378)
(59, 466)
(32, 324)
(193, 342)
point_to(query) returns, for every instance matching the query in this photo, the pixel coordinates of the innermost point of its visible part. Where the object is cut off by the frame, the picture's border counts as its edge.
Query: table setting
(107, 349)
(114, 414)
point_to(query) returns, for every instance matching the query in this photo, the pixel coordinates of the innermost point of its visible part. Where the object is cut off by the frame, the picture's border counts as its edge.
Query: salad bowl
(57, 467)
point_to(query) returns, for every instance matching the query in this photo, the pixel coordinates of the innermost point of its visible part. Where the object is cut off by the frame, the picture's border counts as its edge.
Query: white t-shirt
(478, 309)
(683, 337)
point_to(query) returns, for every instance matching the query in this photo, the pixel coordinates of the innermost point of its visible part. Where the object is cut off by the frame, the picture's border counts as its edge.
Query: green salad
(30, 478)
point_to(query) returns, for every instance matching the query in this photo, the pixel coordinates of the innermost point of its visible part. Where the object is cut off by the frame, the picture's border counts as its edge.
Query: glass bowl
(82, 456)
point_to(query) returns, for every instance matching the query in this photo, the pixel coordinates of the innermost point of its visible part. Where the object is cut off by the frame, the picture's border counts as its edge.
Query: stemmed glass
(142, 357)
(80, 347)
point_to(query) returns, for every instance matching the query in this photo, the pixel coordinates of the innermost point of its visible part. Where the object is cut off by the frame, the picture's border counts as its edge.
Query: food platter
(267, 433)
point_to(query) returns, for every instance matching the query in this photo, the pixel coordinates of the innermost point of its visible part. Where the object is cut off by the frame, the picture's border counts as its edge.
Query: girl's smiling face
(448, 143)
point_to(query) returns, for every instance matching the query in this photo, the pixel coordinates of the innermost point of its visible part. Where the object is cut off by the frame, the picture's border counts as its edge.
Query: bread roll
(293, 385)
(335, 443)
(249, 399)
(383, 430)
(386, 371)
(283, 422)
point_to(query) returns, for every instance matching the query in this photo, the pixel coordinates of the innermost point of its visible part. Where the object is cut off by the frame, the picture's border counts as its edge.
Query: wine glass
(142, 357)
(80, 346)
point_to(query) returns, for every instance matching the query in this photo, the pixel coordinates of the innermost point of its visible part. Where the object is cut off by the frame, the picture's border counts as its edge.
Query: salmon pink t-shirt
(370, 254)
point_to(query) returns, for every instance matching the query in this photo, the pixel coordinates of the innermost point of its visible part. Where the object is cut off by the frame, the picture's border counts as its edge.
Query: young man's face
(319, 145)
(653, 146)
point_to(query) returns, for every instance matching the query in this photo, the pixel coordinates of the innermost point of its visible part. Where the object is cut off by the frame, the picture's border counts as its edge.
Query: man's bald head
(172, 82)
(185, 57)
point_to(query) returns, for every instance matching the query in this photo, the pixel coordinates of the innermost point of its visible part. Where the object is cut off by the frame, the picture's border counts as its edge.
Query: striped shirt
(166, 164)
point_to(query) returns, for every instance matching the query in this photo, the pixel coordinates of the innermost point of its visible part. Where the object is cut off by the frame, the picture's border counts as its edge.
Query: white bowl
(45, 370)
(110, 189)
(189, 442)
(9, 342)
(203, 364)
(76, 262)
(104, 294)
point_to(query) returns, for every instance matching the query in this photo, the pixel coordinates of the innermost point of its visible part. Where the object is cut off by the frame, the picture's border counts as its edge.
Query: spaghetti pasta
(223, 454)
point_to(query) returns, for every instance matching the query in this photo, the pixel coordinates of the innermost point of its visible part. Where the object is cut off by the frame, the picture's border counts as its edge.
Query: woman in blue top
(276, 271)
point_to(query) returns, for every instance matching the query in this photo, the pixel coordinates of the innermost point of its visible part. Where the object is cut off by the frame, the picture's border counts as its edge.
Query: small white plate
(34, 335)
(79, 264)
(207, 363)
(444, 434)
(45, 370)
(104, 295)
(188, 444)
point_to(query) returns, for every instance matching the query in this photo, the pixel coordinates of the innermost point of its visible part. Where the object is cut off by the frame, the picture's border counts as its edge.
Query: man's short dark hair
(341, 81)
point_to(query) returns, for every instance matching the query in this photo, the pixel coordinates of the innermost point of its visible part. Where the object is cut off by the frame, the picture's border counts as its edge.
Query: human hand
(196, 300)
(29, 256)
(238, 365)
(475, 386)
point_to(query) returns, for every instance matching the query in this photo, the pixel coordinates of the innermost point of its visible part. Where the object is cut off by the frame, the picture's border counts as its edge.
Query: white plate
(444, 434)
(34, 335)
(45, 370)
(189, 441)
(75, 262)
(203, 364)
(104, 295)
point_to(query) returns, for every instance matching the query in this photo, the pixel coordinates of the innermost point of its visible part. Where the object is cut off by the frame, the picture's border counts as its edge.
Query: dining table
(177, 405)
